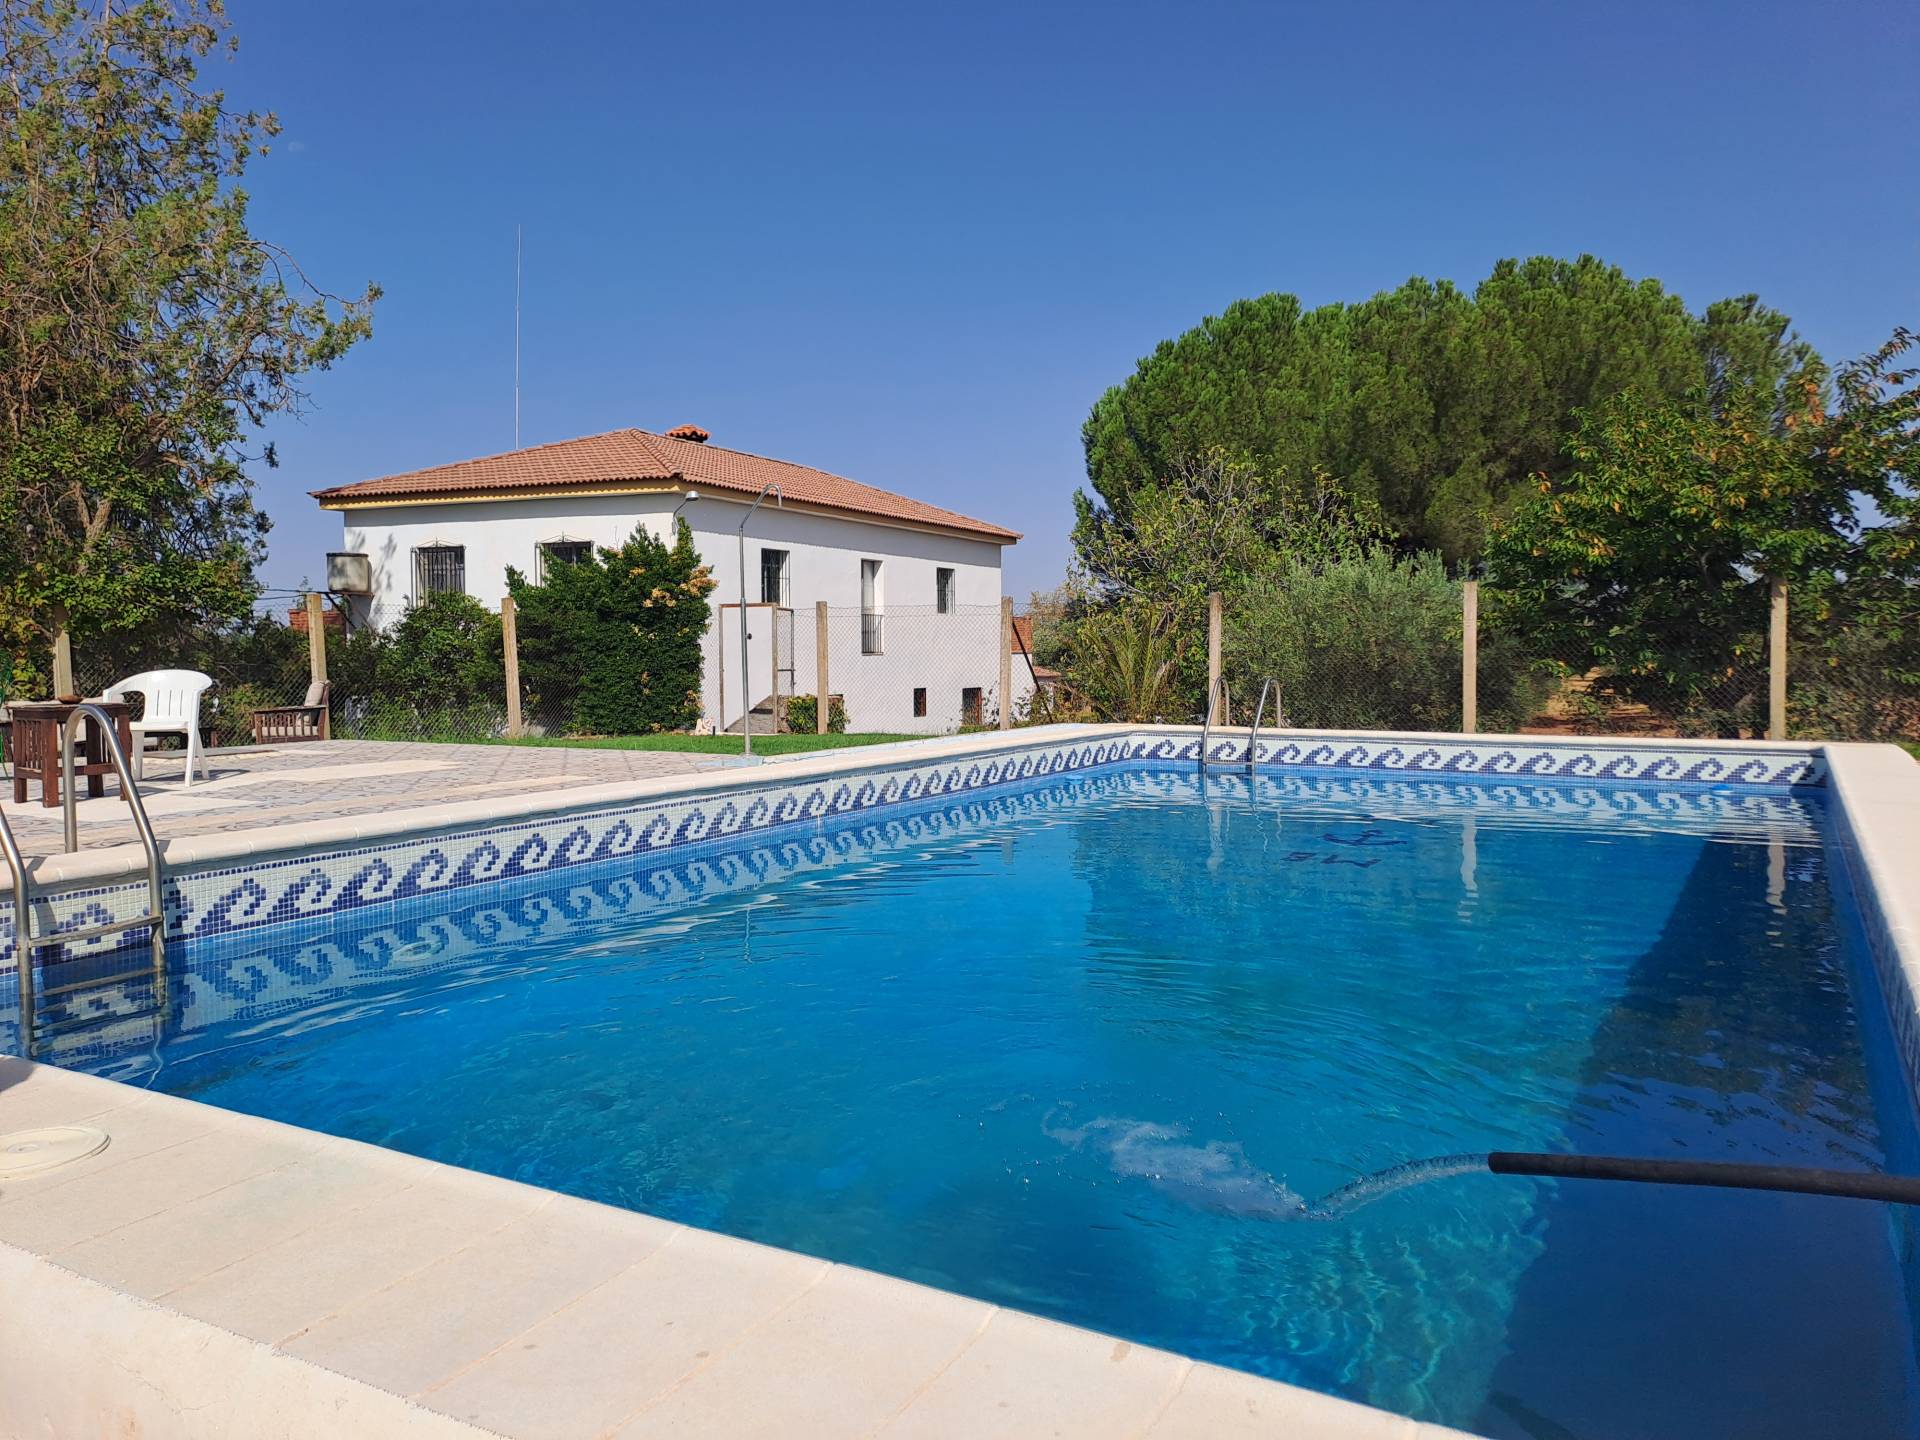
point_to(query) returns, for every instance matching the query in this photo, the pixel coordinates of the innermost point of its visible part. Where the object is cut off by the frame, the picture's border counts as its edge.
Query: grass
(709, 744)
(1912, 747)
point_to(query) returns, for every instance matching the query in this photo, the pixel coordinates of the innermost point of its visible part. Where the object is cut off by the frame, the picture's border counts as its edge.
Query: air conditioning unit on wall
(349, 573)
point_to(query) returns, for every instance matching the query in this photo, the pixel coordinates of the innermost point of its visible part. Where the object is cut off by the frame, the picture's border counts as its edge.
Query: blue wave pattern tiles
(212, 903)
(1581, 761)
(254, 973)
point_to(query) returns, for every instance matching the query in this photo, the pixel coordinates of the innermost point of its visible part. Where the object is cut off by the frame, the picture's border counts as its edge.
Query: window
(773, 578)
(970, 706)
(555, 553)
(943, 590)
(919, 702)
(439, 567)
(871, 634)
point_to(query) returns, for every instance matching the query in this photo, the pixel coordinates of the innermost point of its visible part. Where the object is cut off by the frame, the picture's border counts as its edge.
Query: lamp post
(746, 695)
(690, 497)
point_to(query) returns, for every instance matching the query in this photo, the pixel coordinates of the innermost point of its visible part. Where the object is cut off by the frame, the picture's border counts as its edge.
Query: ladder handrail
(1253, 730)
(156, 917)
(1206, 729)
(22, 913)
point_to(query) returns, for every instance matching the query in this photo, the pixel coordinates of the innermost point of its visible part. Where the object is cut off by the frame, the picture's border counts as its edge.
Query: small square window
(919, 702)
(943, 590)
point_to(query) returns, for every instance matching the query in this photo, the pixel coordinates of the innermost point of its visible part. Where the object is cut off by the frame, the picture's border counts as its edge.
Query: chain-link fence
(432, 671)
(257, 664)
(439, 671)
(912, 669)
(1341, 661)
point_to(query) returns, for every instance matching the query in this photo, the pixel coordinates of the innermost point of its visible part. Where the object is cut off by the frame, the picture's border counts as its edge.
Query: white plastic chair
(172, 708)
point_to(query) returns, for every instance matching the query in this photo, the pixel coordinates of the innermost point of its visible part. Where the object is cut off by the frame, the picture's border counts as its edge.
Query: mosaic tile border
(203, 904)
(1569, 760)
(251, 975)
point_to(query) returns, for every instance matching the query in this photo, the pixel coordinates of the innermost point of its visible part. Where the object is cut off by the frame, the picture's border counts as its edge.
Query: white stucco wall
(942, 653)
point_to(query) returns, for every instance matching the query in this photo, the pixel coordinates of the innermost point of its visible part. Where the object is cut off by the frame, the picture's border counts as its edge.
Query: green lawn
(1912, 747)
(709, 744)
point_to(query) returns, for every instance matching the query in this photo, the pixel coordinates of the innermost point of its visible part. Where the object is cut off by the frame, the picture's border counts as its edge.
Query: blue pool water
(1080, 1047)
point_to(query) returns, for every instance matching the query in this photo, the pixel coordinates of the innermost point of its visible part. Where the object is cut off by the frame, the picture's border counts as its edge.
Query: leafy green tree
(611, 645)
(1650, 561)
(1216, 524)
(144, 329)
(1434, 405)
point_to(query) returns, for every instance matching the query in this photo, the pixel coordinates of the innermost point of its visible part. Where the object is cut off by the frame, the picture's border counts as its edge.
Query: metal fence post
(822, 695)
(317, 657)
(1777, 661)
(510, 648)
(1469, 656)
(1213, 651)
(1006, 662)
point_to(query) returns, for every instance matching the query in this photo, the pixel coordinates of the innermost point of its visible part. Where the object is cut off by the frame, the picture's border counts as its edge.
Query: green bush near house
(610, 645)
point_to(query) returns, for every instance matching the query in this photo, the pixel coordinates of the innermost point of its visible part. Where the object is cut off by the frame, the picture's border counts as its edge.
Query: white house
(913, 590)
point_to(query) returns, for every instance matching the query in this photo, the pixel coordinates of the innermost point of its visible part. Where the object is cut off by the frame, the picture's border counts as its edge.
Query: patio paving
(252, 789)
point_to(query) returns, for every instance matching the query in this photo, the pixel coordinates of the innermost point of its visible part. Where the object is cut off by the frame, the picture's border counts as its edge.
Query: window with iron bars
(774, 582)
(943, 590)
(554, 553)
(438, 568)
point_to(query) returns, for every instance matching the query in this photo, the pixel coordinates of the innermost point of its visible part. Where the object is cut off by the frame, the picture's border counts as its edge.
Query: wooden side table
(36, 746)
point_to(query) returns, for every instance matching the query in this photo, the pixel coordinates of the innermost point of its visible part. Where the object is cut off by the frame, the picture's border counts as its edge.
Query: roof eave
(344, 498)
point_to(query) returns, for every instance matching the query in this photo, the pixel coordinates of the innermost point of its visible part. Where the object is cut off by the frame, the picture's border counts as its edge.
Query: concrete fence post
(1777, 661)
(1006, 662)
(317, 655)
(822, 692)
(1469, 657)
(1213, 652)
(510, 649)
(63, 663)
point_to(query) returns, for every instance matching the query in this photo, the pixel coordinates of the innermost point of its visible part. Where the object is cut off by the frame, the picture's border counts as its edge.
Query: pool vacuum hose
(1847, 1184)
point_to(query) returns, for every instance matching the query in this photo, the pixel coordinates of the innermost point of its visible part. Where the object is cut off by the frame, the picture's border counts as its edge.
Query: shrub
(803, 713)
(445, 652)
(1125, 663)
(611, 645)
(1369, 643)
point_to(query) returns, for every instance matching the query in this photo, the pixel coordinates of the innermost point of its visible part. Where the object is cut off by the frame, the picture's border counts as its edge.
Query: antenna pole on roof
(516, 337)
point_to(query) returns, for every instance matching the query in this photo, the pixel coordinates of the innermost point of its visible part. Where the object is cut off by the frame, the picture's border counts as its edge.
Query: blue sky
(913, 244)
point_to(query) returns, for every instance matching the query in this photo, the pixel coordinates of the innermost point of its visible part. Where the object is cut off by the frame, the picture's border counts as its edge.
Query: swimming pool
(1076, 1046)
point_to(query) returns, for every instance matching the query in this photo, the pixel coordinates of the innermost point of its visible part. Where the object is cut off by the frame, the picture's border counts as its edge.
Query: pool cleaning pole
(1848, 1184)
(746, 695)
(1718, 1174)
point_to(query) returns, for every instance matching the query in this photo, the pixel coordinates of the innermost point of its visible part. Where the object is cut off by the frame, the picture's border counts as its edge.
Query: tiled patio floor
(332, 780)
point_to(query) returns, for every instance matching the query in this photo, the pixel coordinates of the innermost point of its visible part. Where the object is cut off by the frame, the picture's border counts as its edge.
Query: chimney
(689, 432)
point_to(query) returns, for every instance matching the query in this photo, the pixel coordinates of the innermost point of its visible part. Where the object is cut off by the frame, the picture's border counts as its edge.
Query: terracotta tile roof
(623, 456)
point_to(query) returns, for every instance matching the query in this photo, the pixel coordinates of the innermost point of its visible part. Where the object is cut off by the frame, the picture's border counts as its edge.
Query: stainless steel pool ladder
(1206, 729)
(155, 918)
(1259, 709)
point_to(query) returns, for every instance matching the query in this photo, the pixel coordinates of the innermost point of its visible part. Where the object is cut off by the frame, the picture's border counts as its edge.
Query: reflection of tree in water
(1333, 1027)
(1736, 1038)
(1742, 998)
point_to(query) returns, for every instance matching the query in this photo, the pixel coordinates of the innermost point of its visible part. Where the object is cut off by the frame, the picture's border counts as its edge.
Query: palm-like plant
(1125, 664)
